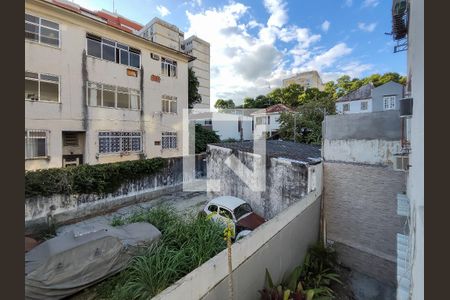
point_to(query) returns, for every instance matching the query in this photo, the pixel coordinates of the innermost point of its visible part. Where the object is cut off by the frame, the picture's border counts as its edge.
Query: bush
(185, 244)
(203, 137)
(89, 179)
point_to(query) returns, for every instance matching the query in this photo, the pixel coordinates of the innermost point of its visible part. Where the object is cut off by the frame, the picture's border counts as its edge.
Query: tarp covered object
(69, 263)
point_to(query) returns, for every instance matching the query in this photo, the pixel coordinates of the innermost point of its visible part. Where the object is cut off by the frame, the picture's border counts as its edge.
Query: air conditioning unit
(154, 56)
(406, 107)
(401, 163)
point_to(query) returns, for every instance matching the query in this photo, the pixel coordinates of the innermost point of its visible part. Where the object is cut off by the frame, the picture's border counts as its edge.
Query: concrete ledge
(76, 212)
(205, 278)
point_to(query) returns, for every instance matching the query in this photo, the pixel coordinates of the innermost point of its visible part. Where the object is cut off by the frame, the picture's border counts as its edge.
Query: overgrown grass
(185, 244)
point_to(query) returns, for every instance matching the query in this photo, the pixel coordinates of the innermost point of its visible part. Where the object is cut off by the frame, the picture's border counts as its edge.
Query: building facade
(369, 98)
(96, 91)
(200, 49)
(229, 125)
(266, 121)
(310, 79)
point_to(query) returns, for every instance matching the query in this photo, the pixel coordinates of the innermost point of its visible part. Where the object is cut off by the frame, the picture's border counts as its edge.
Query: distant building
(200, 49)
(228, 125)
(369, 98)
(161, 32)
(266, 120)
(310, 79)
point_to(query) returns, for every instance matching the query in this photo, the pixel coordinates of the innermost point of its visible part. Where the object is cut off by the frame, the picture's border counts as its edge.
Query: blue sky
(255, 44)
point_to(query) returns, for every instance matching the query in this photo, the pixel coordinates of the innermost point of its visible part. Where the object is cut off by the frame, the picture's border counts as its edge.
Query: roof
(299, 152)
(229, 202)
(277, 108)
(111, 19)
(364, 92)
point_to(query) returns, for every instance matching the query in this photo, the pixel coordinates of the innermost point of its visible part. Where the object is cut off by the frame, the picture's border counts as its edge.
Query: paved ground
(181, 201)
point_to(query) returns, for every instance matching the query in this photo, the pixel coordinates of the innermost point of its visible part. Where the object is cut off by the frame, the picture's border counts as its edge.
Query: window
(169, 140)
(168, 67)
(225, 213)
(105, 95)
(36, 144)
(364, 105)
(41, 87)
(117, 142)
(212, 208)
(208, 122)
(113, 51)
(41, 30)
(70, 139)
(389, 102)
(169, 104)
(242, 210)
(346, 107)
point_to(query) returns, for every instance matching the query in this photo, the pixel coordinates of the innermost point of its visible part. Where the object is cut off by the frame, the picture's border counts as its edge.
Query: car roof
(229, 202)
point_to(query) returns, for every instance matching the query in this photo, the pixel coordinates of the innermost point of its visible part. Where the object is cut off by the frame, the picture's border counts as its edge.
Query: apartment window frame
(40, 78)
(169, 105)
(389, 102)
(119, 142)
(119, 49)
(364, 105)
(169, 67)
(39, 33)
(102, 87)
(169, 140)
(29, 146)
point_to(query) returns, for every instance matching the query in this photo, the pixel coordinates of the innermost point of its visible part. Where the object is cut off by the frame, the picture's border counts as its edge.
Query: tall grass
(186, 243)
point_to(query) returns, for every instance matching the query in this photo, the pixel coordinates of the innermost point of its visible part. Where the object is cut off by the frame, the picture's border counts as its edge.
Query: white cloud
(370, 3)
(348, 3)
(245, 63)
(163, 11)
(325, 25)
(367, 27)
(278, 13)
(89, 4)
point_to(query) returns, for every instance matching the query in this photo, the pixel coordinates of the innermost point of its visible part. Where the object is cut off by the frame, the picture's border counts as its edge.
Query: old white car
(228, 208)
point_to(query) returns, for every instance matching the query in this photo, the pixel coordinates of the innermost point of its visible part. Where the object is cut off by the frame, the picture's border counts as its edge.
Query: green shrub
(89, 179)
(185, 244)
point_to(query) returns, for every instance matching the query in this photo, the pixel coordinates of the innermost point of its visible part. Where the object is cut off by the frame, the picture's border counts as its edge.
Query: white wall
(415, 185)
(261, 128)
(355, 106)
(226, 126)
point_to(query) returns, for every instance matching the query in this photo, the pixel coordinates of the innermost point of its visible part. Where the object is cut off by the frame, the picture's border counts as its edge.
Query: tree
(286, 95)
(307, 120)
(203, 137)
(224, 104)
(193, 95)
(260, 101)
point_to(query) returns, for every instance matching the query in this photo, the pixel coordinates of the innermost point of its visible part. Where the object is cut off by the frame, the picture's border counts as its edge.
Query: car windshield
(242, 210)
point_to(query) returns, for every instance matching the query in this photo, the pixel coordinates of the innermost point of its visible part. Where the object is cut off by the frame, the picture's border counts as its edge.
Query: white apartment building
(200, 49)
(310, 79)
(161, 32)
(266, 121)
(96, 91)
(232, 124)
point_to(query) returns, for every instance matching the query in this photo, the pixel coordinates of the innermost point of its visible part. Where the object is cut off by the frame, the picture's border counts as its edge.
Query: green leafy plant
(186, 243)
(89, 179)
(309, 281)
(203, 137)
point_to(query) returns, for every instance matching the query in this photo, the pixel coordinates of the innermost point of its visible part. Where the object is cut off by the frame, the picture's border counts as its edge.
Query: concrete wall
(74, 69)
(361, 215)
(415, 190)
(387, 89)
(67, 208)
(286, 180)
(279, 245)
(261, 128)
(360, 190)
